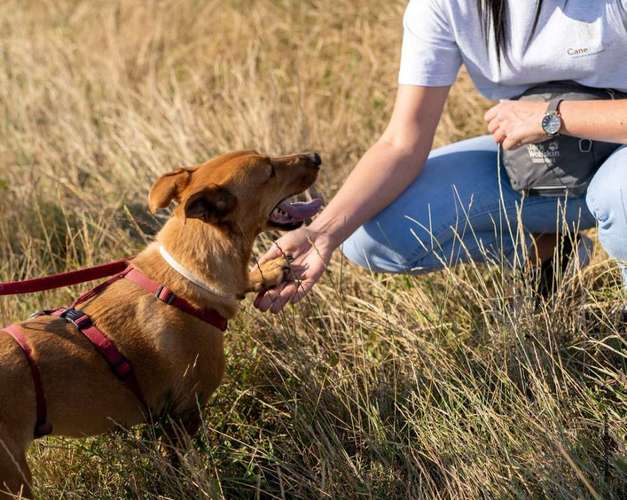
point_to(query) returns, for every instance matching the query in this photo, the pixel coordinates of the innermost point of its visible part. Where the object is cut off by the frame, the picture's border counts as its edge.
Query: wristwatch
(552, 121)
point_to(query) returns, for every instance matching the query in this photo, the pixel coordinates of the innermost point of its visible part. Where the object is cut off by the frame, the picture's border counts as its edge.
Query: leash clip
(43, 312)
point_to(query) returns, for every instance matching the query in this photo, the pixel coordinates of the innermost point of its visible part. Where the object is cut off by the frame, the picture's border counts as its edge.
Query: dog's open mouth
(288, 215)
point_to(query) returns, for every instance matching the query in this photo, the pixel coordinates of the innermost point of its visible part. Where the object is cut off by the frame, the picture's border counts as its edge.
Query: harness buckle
(168, 297)
(77, 317)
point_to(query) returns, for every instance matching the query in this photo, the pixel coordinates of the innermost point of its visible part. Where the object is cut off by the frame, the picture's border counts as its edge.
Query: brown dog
(178, 359)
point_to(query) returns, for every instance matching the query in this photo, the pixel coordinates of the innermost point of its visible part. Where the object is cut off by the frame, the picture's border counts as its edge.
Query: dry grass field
(451, 385)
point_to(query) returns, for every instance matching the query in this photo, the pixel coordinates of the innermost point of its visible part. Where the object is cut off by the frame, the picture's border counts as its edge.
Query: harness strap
(164, 294)
(119, 364)
(160, 291)
(42, 426)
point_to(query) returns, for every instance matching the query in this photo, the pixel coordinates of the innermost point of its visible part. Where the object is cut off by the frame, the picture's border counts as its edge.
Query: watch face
(552, 124)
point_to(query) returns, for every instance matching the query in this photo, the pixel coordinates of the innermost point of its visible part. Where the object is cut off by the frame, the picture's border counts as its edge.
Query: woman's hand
(516, 123)
(383, 173)
(309, 252)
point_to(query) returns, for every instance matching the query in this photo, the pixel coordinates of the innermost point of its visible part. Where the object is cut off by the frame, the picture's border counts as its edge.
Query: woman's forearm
(596, 120)
(389, 166)
(378, 178)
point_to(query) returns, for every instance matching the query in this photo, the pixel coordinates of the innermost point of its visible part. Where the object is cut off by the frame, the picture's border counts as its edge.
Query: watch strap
(554, 105)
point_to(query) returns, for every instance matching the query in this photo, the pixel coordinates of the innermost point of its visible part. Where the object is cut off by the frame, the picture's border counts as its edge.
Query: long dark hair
(493, 15)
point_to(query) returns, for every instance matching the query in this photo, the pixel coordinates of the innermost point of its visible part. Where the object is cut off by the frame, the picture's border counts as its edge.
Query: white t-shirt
(581, 40)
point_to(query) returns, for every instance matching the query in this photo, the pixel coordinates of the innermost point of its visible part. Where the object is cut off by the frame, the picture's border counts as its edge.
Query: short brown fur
(223, 205)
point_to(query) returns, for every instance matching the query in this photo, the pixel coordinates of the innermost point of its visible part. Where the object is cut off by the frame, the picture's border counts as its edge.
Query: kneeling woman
(406, 209)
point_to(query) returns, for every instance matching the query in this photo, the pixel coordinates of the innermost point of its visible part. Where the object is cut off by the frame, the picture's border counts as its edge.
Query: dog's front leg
(268, 275)
(178, 431)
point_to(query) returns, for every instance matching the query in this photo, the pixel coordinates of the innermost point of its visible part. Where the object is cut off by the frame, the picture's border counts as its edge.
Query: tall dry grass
(453, 385)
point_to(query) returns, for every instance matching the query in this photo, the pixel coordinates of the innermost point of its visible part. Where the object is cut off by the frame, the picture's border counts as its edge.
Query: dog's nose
(315, 159)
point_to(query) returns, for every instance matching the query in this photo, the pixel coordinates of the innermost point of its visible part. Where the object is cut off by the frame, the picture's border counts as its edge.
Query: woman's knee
(368, 249)
(410, 231)
(607, 201)
(607, 193)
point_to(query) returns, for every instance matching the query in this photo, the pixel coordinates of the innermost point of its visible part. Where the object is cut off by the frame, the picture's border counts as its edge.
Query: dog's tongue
(301, 210)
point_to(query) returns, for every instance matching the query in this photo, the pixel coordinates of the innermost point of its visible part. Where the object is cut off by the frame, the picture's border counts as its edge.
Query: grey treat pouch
(561, 165)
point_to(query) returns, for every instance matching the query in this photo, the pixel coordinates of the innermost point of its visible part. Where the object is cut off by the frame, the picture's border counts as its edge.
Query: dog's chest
(194, 360)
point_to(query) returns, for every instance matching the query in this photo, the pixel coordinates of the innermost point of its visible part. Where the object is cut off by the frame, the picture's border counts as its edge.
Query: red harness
(119, 364)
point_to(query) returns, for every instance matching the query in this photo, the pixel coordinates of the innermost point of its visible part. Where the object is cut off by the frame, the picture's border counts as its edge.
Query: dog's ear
(168, 187)
(210, 204)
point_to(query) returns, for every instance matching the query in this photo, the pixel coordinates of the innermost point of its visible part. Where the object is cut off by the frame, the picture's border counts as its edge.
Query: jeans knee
(362, 249)
(596, 200)
(607, 196)
(607, 201)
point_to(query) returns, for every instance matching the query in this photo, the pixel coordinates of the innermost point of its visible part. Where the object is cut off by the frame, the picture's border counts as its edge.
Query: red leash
(63, 279)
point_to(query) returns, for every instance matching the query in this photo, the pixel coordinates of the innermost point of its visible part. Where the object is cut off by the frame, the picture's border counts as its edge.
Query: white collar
(186, 273)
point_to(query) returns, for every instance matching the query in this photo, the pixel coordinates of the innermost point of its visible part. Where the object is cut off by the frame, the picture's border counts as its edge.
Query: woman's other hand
(309, 252)
(516, 123)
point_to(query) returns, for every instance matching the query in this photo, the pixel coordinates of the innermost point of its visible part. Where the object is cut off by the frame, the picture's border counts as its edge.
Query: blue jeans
(462, 208)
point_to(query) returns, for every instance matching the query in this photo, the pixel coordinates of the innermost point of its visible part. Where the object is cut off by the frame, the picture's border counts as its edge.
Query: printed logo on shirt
(587, 39)
(584, 51)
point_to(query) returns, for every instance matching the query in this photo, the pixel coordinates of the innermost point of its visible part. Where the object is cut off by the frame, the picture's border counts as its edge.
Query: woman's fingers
(493, 126)
(283, 297)
(265, 300)
(303, 289)
(490, 113)
(499, 135)
(313, 275)
(512, 142)
(258, 299)
(306, 275)
(308, 265)
(301, 273)
(274, 300)
(516, 123)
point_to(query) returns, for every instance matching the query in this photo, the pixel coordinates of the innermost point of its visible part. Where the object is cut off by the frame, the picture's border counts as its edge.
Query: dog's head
(242, 191)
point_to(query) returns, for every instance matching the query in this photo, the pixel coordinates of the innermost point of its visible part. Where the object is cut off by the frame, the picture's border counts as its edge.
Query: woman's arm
(596, 120)
(389, 166)
(516, 123)
(383, 173)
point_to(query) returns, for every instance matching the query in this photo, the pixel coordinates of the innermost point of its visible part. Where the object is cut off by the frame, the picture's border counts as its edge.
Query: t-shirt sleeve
(430, 56)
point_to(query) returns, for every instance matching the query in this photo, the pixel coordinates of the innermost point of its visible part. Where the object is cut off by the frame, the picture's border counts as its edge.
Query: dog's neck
(203, 262)
(189, 275)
